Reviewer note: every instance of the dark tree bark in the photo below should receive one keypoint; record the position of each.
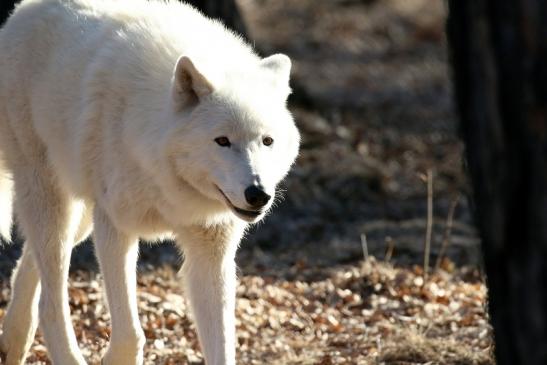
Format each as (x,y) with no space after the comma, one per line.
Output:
(499,58)
(6,6)
(226,10)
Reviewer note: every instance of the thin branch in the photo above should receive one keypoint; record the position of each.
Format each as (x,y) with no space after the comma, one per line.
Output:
(447,231)
(429,227)
(390,248)
(364,246)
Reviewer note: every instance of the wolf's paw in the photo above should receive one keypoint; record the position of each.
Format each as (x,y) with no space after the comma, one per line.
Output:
(105,361)
(3,349)
(7,357)
(3,345)
(122,358)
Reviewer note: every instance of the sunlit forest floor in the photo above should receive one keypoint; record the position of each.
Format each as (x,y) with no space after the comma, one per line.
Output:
(373,102)
(364,313)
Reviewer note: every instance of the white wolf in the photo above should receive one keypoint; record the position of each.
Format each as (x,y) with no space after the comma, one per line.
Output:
(134,119)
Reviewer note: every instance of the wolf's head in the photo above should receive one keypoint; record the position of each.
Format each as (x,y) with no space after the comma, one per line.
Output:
(235,139)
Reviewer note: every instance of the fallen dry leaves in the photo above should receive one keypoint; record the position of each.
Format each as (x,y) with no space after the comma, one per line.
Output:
(365,313)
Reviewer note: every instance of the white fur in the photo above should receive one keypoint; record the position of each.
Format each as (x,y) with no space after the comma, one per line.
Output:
(6,187)
(108,114)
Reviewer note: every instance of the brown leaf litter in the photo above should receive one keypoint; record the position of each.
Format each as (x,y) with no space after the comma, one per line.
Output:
(364,313)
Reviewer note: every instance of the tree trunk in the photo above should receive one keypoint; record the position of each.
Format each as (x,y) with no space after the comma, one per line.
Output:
(499,59)
(6,6)
(226,10)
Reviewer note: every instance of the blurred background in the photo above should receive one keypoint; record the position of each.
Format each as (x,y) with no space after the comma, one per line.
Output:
(373,101)
(372,98)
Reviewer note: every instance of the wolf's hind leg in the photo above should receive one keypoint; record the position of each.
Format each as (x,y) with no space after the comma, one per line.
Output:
(50,220)
(21,317)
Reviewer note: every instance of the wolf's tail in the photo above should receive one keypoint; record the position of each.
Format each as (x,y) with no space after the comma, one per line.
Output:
(6,200)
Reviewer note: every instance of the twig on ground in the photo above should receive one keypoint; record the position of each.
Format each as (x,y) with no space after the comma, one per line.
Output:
(429,227)
(364,246)
(447,231)
(390,248)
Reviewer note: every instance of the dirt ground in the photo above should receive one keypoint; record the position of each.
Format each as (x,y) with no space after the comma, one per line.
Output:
(372,99)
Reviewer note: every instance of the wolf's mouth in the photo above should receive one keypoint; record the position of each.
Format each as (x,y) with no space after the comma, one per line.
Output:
(245,213)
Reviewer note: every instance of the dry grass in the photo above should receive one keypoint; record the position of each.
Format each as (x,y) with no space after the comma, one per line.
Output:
(367,313)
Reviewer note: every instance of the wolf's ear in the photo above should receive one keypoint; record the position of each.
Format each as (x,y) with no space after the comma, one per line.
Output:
(189,85)
(280,65)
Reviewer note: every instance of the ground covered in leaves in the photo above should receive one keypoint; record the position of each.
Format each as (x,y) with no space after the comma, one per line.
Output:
(364,313)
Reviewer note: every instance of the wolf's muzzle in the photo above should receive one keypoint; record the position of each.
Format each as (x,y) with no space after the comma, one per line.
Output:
(247,214)
(256,196)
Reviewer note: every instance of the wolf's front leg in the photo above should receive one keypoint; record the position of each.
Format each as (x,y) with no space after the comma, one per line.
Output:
(209,272)
(117,254)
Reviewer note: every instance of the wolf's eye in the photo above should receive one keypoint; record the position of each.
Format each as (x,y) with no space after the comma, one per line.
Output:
(267,141)
(223,141)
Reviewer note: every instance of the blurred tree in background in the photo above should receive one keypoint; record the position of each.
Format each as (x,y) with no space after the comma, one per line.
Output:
(6,6)
(222,9)
(499,55)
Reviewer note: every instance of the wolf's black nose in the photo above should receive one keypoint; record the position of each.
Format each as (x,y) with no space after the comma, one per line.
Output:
(256,196)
